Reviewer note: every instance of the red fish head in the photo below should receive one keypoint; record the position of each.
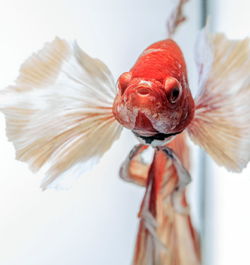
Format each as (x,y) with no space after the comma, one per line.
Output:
(151,108)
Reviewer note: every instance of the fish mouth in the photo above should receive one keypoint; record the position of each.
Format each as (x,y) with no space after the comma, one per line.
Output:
(156,137)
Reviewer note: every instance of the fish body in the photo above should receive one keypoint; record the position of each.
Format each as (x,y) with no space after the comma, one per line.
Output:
(147,105)
(154,96)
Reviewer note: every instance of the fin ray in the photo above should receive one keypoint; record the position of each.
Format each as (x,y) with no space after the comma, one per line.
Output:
(222,119)
(59,112)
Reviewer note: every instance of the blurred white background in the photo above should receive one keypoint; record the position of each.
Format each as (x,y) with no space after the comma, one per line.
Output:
(95,222)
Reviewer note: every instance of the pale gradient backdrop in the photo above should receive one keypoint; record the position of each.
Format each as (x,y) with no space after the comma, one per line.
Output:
(95,222)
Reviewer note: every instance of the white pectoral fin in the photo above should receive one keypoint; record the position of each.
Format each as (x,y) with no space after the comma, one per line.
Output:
(59,112)
(222,120)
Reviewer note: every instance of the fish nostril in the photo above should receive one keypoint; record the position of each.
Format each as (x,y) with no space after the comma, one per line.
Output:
(143,91)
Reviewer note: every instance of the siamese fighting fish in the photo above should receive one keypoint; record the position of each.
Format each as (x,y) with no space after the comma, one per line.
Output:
(65,110)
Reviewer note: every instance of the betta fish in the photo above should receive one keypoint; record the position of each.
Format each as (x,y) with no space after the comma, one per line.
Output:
(65,111)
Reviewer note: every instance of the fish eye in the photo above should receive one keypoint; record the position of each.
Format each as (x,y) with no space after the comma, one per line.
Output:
(173,90)
(174,95)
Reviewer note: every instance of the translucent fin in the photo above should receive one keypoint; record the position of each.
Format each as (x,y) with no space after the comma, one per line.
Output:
(222,119)
(181,149)
(135,167)
(176,17)
(165,235)
(59,112)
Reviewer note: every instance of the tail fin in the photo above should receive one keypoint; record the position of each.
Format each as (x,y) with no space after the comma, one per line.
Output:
(59,112)
(222,119)
(166,235)
(135,168)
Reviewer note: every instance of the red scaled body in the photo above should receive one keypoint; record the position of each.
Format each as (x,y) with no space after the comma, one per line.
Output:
(154,97)
(160,60)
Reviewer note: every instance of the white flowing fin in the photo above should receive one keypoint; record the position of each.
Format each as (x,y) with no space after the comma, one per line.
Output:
(222,119)
(166,235)
(59,112)
(176,17)
(136,165)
